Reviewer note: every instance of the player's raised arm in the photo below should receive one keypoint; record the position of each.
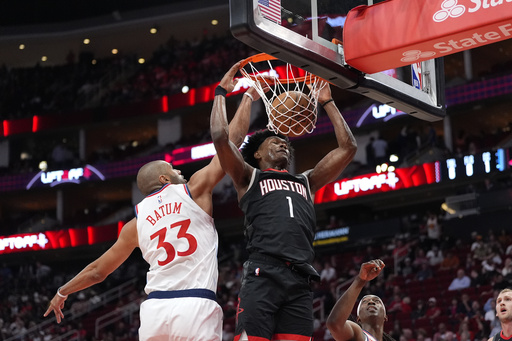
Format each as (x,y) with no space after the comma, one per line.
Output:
(98,270)
(204,180)
(230,157)
(341,328)
(331,166)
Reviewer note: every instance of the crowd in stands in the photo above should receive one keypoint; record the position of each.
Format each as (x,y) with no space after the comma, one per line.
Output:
(80,84)
(25,92)
(435,289)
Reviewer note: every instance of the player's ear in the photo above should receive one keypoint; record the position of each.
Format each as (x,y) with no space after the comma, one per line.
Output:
(164,179)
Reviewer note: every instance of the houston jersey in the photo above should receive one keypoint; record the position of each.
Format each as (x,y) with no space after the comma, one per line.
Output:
(178,240)
(279,215)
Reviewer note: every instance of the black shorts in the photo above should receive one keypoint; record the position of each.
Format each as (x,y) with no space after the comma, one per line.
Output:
(275,301)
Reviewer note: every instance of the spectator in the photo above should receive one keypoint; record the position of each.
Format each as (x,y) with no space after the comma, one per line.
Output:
(465,305)
(425,272)
(507,268)
(479,249)
(499,282)
(490,317)
(478,279)
(380,150)
(462,281)
(328,273)
(450,262)
(441,333)
(42,271)
(421,335)
(491,302)
(407,335)
(419,310)
(420,258)
(464,333)
(395,304)
(401,305)
(454,309)
(433,227)
(435,256)
(396,332)
(476,240)
(433,310)
(407,268)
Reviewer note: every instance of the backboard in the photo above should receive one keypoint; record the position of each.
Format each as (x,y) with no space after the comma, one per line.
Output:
(309,35)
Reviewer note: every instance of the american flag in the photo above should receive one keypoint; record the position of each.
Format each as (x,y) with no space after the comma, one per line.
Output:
(271,10)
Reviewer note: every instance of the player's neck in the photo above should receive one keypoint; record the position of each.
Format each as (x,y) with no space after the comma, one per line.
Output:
(376,331)
(506,330)
(276,166)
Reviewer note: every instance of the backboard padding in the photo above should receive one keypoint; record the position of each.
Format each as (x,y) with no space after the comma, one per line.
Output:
(323,58)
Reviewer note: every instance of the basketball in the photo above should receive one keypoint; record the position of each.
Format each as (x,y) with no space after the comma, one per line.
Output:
(292,114)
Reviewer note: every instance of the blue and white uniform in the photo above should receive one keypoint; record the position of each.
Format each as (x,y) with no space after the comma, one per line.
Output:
(180,243)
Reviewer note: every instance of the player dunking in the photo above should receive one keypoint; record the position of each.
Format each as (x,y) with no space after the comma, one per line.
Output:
(371,313)
(275,300)
(504,314)
(175,232)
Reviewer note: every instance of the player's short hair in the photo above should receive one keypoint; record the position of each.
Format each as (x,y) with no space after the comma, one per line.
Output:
(254,142)
(505,290)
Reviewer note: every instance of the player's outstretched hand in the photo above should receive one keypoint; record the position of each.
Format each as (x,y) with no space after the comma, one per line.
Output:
(227,82)
(371,269)
(56,305)
(254,92)
(325,94)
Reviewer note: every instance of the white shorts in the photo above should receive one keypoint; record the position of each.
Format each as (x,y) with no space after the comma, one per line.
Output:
(180,319)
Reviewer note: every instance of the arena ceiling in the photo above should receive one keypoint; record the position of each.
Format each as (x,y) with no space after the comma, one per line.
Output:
(53,28)
(35,12)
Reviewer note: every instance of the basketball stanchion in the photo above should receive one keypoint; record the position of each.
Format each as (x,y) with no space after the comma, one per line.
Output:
(292,101)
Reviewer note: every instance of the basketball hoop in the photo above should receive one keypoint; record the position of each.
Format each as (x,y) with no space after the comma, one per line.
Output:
(289,115)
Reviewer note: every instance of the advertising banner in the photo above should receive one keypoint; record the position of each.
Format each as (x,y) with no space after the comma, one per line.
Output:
(397,33)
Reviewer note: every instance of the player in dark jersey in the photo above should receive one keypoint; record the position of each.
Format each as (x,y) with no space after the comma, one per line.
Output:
(371,312)
(275,300)
(504,314)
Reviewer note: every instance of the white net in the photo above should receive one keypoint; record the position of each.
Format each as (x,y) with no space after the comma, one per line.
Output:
(291,103)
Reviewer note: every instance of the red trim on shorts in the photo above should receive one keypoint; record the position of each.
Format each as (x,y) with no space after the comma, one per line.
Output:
(293,337)
(251,338)
(290,337)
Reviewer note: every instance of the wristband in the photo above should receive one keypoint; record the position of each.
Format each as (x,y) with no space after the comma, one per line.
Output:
(219,90)
(60,295)
(249,95)
(327,102)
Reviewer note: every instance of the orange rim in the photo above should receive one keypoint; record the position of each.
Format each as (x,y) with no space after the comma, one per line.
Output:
(262,57)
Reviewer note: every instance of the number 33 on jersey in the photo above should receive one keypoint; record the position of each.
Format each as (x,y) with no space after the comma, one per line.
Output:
(177,238)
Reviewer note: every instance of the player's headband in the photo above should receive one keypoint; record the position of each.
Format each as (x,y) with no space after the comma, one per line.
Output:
(360,302)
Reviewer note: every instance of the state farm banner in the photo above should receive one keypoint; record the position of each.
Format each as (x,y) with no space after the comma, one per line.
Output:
(401,178)
(397,33)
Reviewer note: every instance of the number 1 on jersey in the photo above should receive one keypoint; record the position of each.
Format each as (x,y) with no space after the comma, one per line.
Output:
(290,205)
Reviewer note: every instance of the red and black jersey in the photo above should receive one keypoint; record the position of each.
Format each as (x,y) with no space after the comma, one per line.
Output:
(280,217)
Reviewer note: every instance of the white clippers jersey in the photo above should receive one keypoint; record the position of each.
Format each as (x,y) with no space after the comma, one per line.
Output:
(368,336)
(178,240)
